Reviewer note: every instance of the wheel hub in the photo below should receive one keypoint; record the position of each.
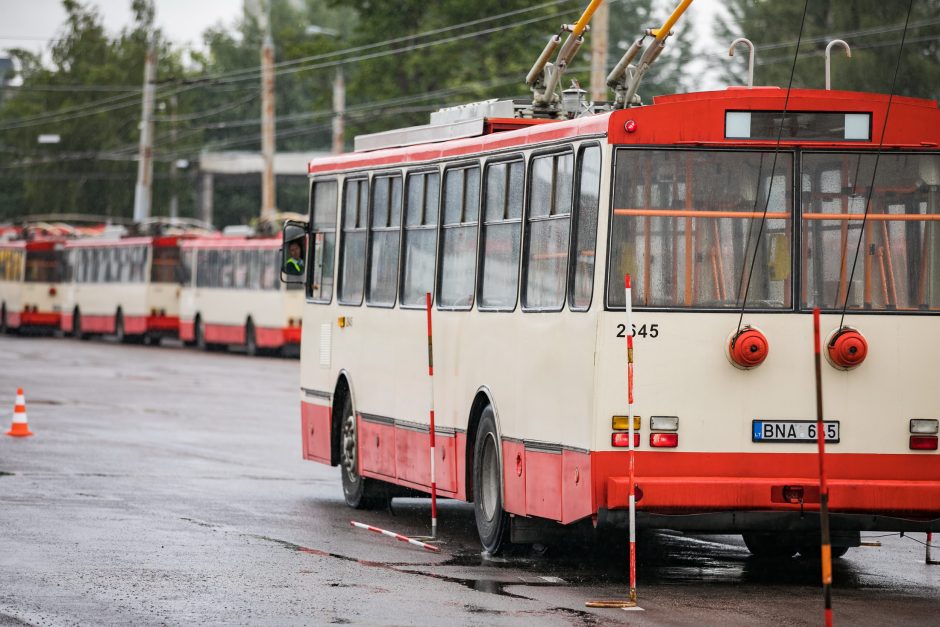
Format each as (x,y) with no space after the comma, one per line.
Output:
(349,448)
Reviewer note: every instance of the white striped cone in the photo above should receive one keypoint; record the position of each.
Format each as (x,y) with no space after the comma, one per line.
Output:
(20,426)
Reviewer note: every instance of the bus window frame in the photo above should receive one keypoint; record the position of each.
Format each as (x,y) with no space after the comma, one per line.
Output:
(420,171)
(575,215)
(310,275)
(490,161)
(463,164)
(793,151)
(389,174)
(341,247)
(557,150)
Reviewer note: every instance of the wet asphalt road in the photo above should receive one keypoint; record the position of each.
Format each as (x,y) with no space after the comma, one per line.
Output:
(165,486)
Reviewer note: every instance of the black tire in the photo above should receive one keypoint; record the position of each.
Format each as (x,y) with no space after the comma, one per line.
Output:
(492,520)
(119,333)
(771,545)
(77,326)
(3,318)
(200,333)
(360,492)
(251,342)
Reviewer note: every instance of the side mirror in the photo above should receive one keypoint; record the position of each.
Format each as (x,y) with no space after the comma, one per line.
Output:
(293,252)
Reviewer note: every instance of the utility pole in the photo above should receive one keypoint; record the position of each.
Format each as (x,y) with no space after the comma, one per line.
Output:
(143,191)
(339,111)
(268,193)
(174,200)
(599,41)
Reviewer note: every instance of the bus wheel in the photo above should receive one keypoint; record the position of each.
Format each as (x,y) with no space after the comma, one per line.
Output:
(119,333)
(251,343)
(359,492)
(3,318)
(771,545)
(77,326)
(200,333)
(492,520)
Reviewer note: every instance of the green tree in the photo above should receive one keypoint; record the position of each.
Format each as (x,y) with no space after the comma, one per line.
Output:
(872,28)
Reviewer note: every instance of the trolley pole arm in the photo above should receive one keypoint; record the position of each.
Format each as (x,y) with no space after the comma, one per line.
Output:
(549,74)
(653,52)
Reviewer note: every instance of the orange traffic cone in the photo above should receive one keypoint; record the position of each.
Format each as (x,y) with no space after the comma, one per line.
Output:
(20,427)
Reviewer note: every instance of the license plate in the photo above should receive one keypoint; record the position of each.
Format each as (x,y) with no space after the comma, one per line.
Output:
(792,431)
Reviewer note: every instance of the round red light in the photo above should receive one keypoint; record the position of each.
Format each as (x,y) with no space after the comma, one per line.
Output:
(630,126)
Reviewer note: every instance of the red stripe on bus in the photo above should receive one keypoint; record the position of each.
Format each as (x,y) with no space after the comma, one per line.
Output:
(316,424)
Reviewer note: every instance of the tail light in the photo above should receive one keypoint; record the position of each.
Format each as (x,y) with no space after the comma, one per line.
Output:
(664,440)
(923,443)
(623,439)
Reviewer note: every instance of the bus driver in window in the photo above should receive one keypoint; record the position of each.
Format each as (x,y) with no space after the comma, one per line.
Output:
(294,265)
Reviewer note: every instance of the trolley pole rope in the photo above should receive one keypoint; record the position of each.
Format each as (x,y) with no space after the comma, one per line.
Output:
(823,486)
(431,428)
(629,309)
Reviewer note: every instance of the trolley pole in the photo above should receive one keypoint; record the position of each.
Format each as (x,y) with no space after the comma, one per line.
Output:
(431,426)
(339,112)
(823,486)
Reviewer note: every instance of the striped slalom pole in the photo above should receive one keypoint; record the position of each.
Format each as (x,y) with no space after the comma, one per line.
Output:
(397,536)
(431,428)
(631,603)
(823,486)
(628,293)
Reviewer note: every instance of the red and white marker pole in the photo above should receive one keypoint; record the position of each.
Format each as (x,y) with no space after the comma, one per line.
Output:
(823,485)
(629,309)
(397,536)
(431,428)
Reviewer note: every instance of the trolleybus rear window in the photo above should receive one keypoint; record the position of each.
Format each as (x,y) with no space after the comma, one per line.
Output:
(898,264)
(684,225)
(165,267)
(44,266)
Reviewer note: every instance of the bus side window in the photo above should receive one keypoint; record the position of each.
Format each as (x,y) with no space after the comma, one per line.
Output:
(420,237)
(384,241)
(323,241)
(547,229)
(353,242)
(459,237)
(500,236)
(585,229)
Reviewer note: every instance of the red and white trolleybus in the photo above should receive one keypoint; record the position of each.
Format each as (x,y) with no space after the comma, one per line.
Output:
(125,286)
(524,229)
(30,272)
(231,296)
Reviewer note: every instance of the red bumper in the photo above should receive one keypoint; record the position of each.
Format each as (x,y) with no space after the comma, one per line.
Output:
(40,319)
(897,485)
(163,324)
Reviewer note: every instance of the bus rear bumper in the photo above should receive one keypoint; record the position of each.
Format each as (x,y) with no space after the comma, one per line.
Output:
(163,325)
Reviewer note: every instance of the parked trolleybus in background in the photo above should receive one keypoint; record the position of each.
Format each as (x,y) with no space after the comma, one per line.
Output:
(30,272)
(232,296)
(124,286)
(523,229)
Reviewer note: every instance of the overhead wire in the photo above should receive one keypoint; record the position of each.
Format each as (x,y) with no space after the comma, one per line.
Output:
(773,172)
(874,172)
